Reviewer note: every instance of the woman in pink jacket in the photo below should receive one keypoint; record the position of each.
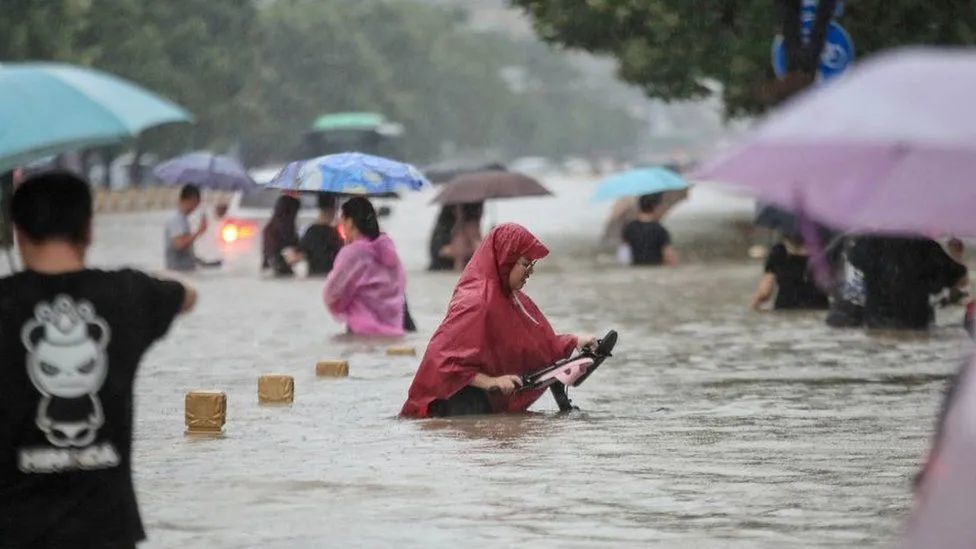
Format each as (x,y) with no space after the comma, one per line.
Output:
(366,286)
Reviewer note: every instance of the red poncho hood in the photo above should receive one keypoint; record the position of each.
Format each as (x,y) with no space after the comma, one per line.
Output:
(489,329)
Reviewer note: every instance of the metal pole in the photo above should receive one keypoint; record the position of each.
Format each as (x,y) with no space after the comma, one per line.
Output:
(10,260)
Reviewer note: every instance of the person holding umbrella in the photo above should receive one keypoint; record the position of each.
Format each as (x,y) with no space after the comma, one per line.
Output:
(368,257)
(648,241)
(440,240)
(645,240)
(467,233)
(456,235)
(196,171)
(367,285)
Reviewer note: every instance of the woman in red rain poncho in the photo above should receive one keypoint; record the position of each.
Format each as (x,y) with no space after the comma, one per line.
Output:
(493,333)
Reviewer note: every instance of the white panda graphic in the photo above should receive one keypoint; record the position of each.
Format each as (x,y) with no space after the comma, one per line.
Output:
(67,364)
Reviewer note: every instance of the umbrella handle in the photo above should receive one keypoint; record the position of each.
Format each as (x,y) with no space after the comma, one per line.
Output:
(818,254)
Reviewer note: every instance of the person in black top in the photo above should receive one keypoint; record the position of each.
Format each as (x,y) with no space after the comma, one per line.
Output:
(440,240)
(899,276)
(467,234)
(788,276)
(321,241)
(649,242)
(71,339)
(280,237)
(456,236)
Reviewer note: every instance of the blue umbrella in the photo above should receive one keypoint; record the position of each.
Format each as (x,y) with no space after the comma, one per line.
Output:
(349,173)
(205,170)
(639,182)
(50,108)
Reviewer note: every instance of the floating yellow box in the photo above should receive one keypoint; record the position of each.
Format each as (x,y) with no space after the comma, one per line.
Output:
(401,351)
(276,389)
(332,368)
(206,411)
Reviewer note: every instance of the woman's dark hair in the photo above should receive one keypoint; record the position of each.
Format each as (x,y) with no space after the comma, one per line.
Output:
(794,237)
(285,213)
(648,202)
(472,211)
(280,233)
(53,206)
(445,220)
(363,216)
(286,209)
(326,201)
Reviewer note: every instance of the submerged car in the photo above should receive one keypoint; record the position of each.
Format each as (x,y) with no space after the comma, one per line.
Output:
(239,234)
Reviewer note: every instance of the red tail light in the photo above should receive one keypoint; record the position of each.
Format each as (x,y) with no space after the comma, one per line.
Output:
(232,231)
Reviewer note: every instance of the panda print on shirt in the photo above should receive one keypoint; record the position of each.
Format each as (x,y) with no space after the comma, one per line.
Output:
(67,364)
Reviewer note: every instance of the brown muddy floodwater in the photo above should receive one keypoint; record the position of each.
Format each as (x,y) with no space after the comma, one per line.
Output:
(711,427)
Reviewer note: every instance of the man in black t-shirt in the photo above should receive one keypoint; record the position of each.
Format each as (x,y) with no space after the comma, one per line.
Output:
(648,240)
(71,339)
(321,242)
(899,276)
(787,274)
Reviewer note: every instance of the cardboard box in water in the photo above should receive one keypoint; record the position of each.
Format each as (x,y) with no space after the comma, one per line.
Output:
(276,389)
(332,368)
(206,411)
(401,351)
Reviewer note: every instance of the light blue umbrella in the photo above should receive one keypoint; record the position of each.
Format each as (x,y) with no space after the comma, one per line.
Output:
(639,182)
(206,170)
(349,173)
(50,108)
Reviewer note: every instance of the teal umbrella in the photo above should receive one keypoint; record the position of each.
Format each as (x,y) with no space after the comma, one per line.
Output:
(638,182)
(50,108)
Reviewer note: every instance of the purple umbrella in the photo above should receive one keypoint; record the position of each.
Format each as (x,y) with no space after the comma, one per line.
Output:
(890,147)
(207,170)
(945,510)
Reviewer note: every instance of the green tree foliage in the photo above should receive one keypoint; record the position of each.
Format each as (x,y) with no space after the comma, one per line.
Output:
(674,49)
(259,72)
(192,51)
(425,68)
